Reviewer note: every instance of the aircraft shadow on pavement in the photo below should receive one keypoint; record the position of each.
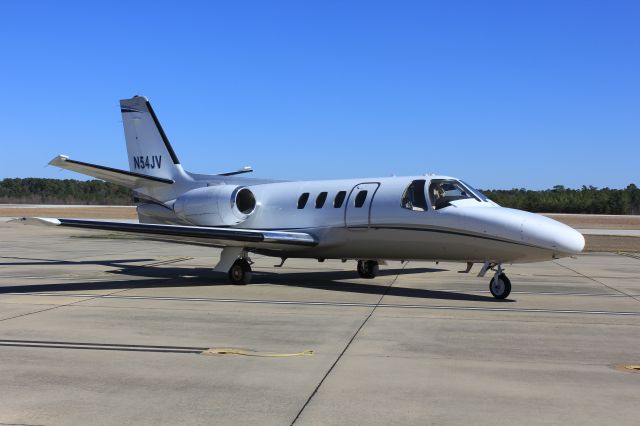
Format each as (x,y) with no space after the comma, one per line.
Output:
(331,280)
(163,277)
(28,261)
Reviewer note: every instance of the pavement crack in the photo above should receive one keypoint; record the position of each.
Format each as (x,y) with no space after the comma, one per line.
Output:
(97,296)
(315,391)
(599,282)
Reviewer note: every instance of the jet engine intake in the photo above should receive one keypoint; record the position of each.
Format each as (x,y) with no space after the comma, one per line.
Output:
(221,205)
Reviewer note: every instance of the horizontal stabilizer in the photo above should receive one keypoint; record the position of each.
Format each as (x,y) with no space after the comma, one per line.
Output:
(222,237)
(121,177)
(246,169)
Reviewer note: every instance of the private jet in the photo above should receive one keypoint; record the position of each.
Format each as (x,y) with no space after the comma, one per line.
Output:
(370,221)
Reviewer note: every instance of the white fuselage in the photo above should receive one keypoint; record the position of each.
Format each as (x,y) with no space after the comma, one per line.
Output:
(378,226)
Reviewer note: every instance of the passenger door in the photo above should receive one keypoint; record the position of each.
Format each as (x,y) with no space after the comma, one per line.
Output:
(357,214)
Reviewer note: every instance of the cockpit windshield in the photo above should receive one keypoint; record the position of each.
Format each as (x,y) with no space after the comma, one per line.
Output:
(475,191)
(443,191)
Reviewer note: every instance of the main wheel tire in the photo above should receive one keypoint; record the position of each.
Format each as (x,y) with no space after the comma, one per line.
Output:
(500,286)
(368,268)
(240,272)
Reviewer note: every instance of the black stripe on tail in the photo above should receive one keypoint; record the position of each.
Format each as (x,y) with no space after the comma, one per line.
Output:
(172,153)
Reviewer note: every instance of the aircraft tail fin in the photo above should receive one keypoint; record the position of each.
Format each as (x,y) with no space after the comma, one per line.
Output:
(148,147)
(154,169)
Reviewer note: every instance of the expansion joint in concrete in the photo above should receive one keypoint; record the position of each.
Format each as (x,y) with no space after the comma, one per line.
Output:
(598,281)
(404,265)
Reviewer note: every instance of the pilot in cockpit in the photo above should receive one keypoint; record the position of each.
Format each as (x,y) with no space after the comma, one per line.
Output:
(438,195)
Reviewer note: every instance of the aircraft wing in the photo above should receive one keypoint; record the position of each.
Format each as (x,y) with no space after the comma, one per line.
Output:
(121,177)
(199,235)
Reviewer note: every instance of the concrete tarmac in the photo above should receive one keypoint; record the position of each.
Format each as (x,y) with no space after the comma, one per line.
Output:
(110,330)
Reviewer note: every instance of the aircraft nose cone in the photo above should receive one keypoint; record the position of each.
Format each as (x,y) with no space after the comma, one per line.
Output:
(556,236)
(570,241)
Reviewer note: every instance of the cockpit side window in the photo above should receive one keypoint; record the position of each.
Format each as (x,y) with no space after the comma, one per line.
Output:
(443,191)
(413,197)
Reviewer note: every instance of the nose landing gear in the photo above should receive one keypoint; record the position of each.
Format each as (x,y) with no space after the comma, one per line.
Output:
(500,285)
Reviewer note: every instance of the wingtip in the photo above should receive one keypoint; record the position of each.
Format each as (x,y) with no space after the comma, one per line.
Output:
(58,160)
(44,221)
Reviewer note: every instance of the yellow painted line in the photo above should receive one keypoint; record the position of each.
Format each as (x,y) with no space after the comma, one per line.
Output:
(246,352)
(628,368)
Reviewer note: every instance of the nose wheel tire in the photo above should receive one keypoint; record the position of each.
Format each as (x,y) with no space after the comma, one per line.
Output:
(240,272)
(500,286)
(368,268)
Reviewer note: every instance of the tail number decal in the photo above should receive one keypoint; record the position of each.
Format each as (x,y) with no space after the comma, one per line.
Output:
(147,162)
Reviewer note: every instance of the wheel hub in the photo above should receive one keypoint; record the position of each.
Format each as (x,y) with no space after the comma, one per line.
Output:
(237,272)
(498,286)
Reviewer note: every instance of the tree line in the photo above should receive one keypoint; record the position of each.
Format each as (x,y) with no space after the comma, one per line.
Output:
(63,191)
(588,199)
(558,199)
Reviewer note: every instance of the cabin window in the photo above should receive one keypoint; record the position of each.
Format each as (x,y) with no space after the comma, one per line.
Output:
(320,199)
(413,197)
(442,192)
(340,196)
(360,198)
(302,201)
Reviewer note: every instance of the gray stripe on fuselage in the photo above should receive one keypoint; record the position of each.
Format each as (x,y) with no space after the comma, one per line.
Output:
(417,228)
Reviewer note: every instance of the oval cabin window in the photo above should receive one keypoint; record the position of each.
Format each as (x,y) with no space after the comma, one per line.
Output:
(302,201)
(360,198)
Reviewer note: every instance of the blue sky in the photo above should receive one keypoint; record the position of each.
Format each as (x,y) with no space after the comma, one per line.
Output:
(502,94)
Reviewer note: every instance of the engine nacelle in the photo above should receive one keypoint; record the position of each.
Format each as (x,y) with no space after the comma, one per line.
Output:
(221,205)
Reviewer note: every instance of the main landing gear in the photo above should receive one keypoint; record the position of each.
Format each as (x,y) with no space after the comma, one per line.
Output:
(236,263)
(240,272)
(368,268)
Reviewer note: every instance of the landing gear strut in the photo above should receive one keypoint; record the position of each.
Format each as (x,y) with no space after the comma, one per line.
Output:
(368,268)
(500,285)
(240,272)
